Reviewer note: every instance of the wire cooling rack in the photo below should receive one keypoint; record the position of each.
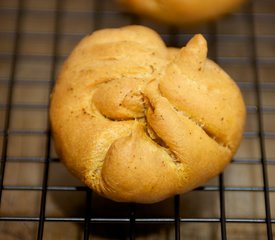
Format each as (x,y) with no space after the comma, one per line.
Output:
(41,200)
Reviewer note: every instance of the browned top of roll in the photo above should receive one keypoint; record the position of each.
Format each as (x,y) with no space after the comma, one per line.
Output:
(137,121)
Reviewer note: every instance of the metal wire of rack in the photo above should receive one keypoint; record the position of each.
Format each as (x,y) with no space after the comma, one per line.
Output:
(40,200)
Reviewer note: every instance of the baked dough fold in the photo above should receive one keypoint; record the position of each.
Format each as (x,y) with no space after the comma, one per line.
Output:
(139,122)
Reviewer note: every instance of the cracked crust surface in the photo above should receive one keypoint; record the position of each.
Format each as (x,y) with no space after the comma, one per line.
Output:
(181,12)
(137,121)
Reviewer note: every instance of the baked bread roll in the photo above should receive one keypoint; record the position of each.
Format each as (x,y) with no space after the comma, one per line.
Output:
(139,122)
(181,12)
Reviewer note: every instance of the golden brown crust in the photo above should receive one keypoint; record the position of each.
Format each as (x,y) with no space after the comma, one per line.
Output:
(137,121)
(182,12)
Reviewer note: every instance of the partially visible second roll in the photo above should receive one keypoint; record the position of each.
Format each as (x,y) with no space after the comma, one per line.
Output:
(182,12)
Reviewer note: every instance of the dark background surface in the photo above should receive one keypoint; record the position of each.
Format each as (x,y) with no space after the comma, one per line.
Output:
(40,199)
